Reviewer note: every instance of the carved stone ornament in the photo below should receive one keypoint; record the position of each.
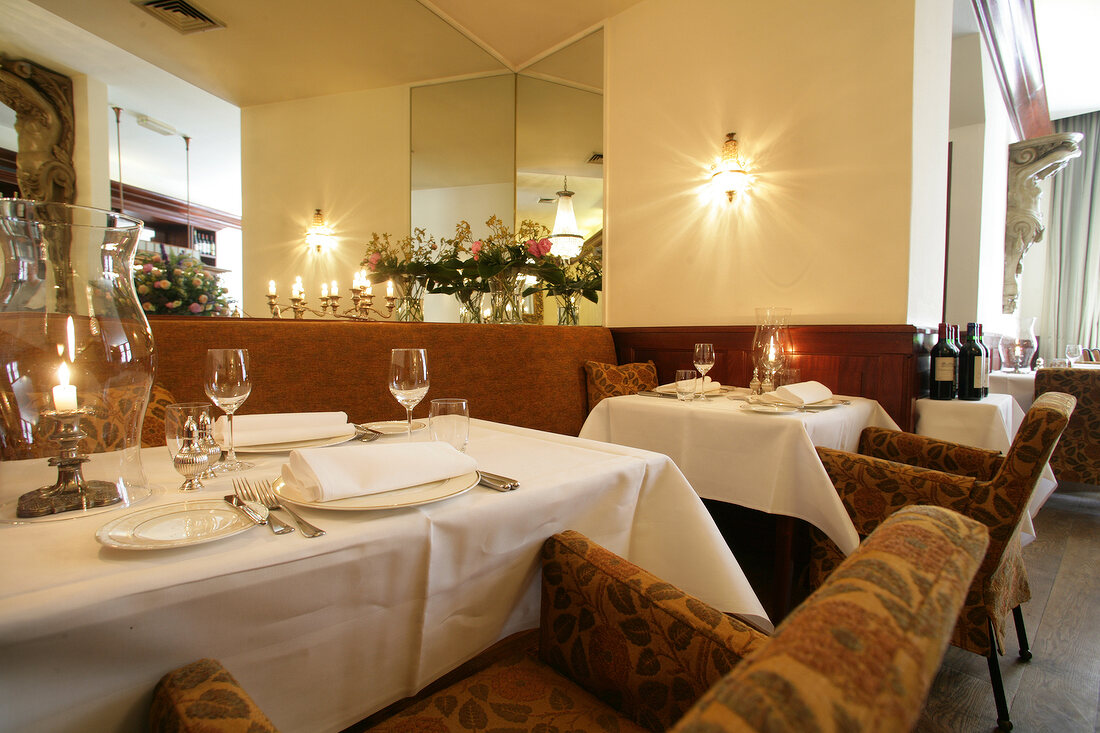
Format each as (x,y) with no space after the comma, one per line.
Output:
(43,104)
(1029,163)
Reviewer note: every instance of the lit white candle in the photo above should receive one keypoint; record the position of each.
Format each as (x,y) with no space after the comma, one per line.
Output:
(335,290)
(370,288)
(324,290)
(271,287)
(389,288)
(64,394)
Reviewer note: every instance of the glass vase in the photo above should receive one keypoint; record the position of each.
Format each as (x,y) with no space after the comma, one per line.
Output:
(504,298)
(771,342)
(78,358)
(1017,349)
(469,306)
(409,305)
(569,313)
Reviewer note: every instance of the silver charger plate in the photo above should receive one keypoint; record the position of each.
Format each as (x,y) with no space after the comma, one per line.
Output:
(177,525)
(395,499)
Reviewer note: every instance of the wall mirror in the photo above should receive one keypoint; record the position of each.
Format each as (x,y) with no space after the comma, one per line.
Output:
(504,145)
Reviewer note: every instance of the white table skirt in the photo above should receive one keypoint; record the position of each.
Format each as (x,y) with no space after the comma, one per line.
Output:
(989,423)
(763,462)
(325,631)
(1021,386)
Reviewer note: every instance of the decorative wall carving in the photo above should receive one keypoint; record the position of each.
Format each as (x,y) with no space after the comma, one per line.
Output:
(43,104)
(1029,163)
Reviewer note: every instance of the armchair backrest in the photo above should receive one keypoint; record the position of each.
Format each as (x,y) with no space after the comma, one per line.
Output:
(1077,457)
(1003,505)
(861,652)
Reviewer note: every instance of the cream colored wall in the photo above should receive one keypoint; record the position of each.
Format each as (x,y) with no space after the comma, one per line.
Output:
(821,96)
(346,154)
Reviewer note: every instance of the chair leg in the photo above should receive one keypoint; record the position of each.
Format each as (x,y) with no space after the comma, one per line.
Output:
(1003,722)
(1021,634)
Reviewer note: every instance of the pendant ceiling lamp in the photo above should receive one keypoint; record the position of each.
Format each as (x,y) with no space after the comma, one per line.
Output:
(566,237)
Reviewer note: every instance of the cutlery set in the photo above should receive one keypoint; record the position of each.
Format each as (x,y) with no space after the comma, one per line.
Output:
(262,493)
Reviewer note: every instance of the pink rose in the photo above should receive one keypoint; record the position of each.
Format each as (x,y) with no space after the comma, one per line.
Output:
(373,260)
(146,267)
(476,249)
(539,248)
(195,308)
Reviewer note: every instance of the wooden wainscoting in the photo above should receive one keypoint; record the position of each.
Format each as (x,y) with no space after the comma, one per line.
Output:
(885,363)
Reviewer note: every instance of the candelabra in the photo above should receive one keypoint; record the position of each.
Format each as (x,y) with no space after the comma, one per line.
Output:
(71,491)
(362,305)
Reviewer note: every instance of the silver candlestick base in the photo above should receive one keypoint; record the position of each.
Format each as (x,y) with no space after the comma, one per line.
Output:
(71,491)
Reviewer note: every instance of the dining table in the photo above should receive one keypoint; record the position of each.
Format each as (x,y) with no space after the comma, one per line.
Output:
(1021,385)
(325,631)
(990,423)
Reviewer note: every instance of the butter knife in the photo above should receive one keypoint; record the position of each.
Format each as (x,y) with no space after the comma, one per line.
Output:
(496,481)
(233,501)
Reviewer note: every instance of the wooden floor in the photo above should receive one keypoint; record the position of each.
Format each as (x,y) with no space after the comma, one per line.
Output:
(1059,689)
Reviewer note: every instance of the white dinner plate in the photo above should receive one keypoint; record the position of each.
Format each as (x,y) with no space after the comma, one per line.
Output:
(396,499)
(296,444)
(827,404)
(394,427)
(767,409)
(177,525)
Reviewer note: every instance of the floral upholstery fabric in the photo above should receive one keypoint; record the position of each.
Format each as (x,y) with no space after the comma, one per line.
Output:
(611,380)
(940,455)
(861,652)
(873,488)
(152,429)
(858,655)
(640,644)
(203,697)
(1077,456)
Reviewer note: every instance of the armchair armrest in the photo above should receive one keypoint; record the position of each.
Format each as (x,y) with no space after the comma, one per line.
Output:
(202,697)
(638,643)
(939,455)
(872,488)
(861,652)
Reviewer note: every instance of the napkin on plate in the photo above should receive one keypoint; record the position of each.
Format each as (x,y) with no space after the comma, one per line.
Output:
(325,474)
(798,394)
(282,427)
(709,385)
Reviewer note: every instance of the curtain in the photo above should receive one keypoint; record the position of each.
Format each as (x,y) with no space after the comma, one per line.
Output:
(1071,296)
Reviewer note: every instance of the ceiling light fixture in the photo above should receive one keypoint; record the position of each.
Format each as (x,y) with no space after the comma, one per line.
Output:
(729,174)
(161,128)
(566,238)
(319,236)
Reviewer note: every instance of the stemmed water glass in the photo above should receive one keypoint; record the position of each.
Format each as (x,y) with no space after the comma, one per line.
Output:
(703,360)
(1073,353)
(408,379)
(228,383)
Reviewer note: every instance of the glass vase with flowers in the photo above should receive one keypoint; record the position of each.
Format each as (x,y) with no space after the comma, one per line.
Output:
(567,279)
(500,258)
(406,263)
(177,285)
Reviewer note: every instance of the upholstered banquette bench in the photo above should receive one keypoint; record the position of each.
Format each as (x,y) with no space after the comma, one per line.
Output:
(531,376)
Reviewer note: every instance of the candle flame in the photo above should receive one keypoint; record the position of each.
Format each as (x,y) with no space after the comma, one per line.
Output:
(63,375)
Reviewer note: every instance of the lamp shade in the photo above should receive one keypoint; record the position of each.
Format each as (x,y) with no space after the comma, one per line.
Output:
(566,237)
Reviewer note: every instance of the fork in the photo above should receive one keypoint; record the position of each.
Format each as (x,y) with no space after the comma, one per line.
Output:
(245,492)
(268,499)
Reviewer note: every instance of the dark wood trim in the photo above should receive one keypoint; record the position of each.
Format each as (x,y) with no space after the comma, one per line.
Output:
(9,176)
(1008,28)
(888,363)
(156,207)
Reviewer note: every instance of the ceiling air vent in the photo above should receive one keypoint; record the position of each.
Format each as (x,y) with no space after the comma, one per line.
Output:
(596,159)
(183,16)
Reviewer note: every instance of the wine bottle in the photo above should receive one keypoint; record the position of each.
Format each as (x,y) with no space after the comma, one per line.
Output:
(970,366)
(945,361)
(987,362)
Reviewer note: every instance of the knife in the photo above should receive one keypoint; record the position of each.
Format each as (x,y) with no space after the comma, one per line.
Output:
(650,393)
(233,501)
(496,481)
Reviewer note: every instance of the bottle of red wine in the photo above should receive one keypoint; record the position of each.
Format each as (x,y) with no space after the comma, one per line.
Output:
(987,364)
(971,366)
(945,361)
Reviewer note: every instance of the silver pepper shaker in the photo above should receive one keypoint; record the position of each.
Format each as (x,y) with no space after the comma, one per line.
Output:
(192,459)
(207,442)
(767,385)
(754,383)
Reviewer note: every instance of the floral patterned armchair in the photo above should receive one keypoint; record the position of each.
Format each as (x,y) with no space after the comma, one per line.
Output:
(620,651)
(1077,457)
(894,469)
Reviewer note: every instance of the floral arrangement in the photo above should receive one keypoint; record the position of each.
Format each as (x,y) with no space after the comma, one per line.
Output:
(178,285)
(567,278)
(392,259)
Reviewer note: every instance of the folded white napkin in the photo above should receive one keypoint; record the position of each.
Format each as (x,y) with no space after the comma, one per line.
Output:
(283,427)
(708,385)
(797,394)
(325,474)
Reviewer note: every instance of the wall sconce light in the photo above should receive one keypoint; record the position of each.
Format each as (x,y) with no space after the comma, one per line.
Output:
(566,237)
(319,236)
(729,174)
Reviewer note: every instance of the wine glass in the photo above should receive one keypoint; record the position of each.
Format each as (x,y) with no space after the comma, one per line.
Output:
(228,383)
(1073,353)
(408,379)
(703,360)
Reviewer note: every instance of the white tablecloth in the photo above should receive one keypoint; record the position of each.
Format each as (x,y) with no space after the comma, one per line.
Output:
(325,631)
(989,423)
(763,462)
(1021,386)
